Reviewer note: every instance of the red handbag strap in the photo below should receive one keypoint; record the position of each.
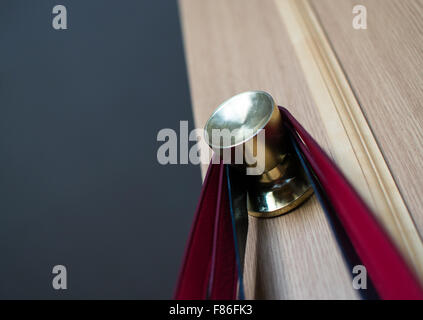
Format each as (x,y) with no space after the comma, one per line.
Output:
(391,276)
(223,278)
(209,265)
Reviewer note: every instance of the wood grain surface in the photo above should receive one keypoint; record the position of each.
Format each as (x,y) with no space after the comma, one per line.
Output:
(384,64)
(233,46)
(354,147)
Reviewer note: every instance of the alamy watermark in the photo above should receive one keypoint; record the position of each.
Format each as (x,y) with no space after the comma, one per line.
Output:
(359,21)
(60,280)
(360,280)
(60,20)
(231,147)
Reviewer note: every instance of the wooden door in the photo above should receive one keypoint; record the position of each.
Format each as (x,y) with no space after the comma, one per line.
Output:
(358,92)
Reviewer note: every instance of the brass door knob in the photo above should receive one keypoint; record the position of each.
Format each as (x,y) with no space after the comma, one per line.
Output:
(249,127)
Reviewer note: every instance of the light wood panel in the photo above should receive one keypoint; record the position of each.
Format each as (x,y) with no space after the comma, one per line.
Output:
(354,146)
(384,65)
(234,46)
(279,47)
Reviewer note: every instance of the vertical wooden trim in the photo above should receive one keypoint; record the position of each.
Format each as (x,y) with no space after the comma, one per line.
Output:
(352,144)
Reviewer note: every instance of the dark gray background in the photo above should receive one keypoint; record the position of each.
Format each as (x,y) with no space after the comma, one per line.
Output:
(79,181)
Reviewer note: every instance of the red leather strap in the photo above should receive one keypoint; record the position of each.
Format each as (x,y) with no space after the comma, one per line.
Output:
(223,279)
(391,276)
(209,266)
(195,271)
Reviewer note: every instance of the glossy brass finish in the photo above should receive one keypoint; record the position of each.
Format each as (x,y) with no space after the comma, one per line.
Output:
(276,193)
(283,185)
